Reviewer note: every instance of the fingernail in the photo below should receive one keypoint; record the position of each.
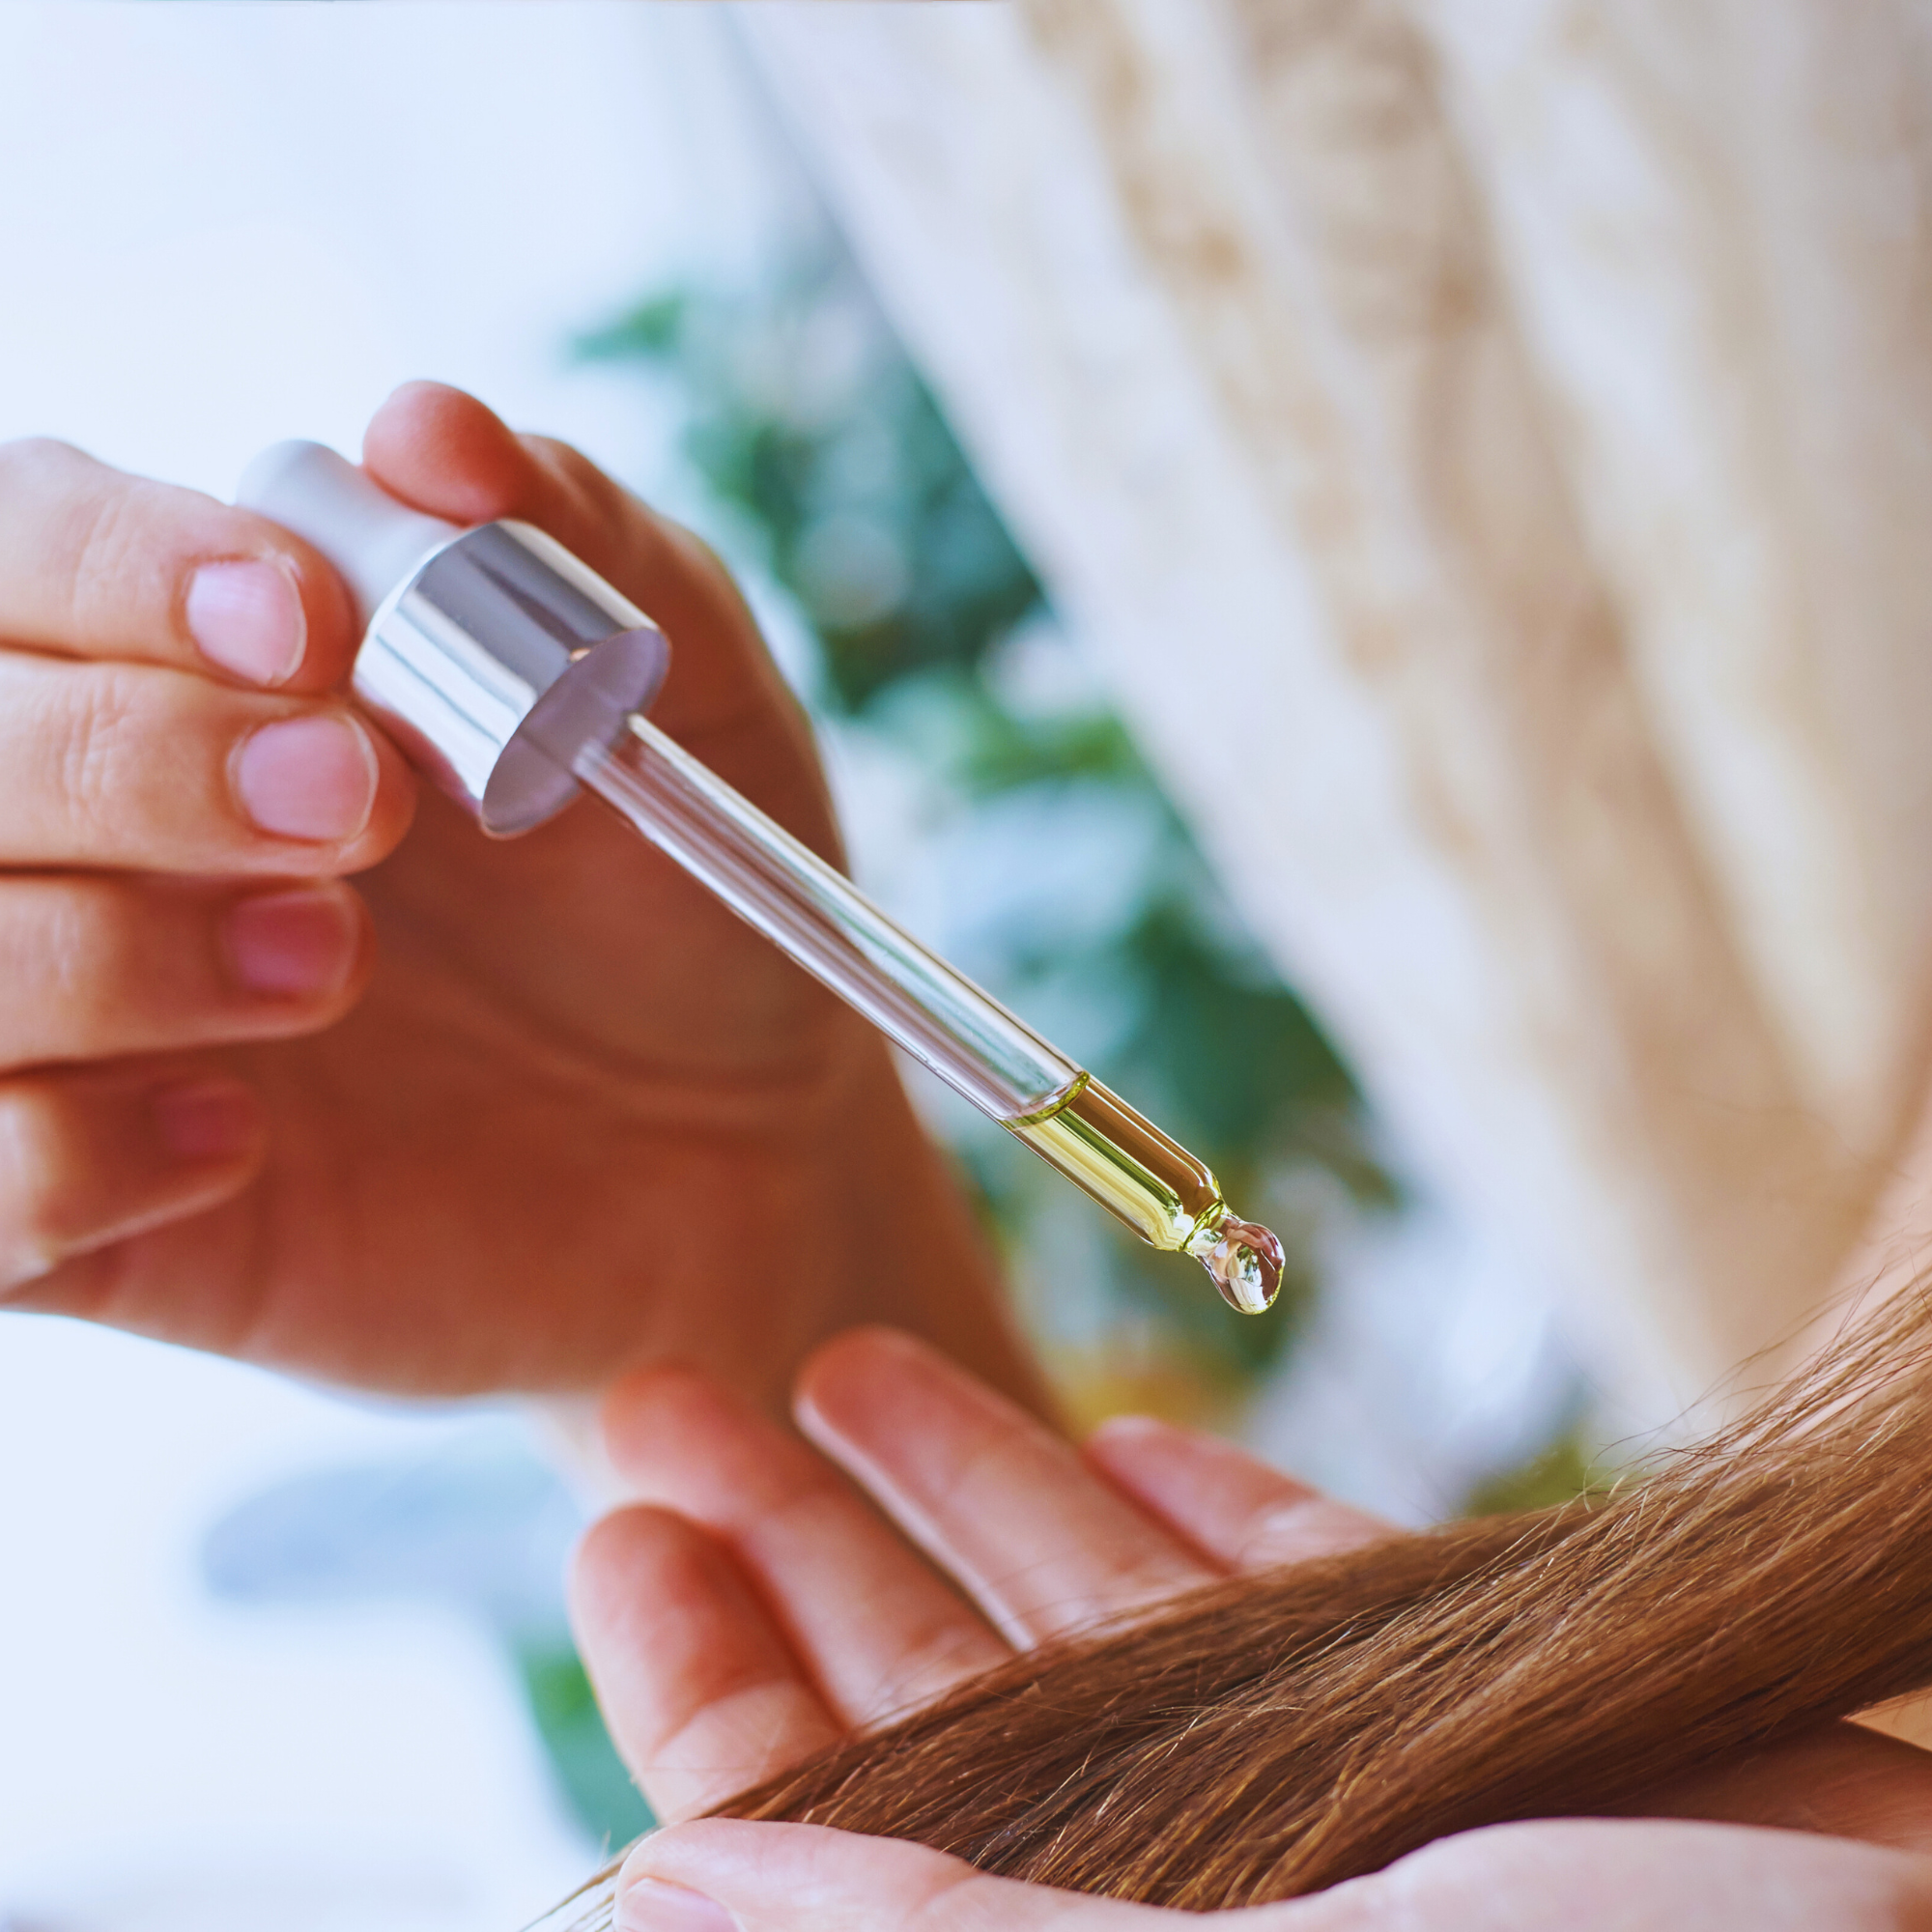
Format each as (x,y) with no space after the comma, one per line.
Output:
(206,1119)
(298,945)
(308,778)
(653,1906)
(247,617)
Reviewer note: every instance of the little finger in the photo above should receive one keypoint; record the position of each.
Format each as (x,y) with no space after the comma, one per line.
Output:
(91,1156)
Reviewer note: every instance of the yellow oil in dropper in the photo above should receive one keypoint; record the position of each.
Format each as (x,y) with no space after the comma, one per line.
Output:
(1154,1185)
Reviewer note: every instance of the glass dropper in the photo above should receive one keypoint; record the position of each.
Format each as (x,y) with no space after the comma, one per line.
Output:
(512,673)
(817,916)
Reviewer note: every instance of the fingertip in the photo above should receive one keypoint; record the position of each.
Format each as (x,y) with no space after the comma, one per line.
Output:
(398,793)
(1235,1509)
(248,616)
(846,1368)
(874,1392)
(615,1552)
(656,1905)
(780,1873)
(333,633)
(677,1857)
(440,450)
(675,1434)
(636,1891)
(318,791)
(721,1849)
(309,950)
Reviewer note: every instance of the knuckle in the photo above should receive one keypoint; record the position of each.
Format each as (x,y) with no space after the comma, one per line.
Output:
(64,949)
(99,731)
(107,546)
(935,1653)
(93,964)
(595,496)
(571,465)
(90,967)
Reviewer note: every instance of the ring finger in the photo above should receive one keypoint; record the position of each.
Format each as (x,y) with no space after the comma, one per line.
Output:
(107,965)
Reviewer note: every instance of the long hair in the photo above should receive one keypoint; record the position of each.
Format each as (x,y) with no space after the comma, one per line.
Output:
(1279,1732)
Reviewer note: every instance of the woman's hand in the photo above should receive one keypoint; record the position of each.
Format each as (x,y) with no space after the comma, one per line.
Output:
(753,1606)
(507,1115)
(756,1606)
(1582,1875)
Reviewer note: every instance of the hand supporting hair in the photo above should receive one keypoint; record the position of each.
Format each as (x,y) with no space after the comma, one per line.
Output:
(1680,1647)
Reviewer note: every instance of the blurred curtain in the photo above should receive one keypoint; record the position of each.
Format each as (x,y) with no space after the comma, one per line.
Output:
(1488,444)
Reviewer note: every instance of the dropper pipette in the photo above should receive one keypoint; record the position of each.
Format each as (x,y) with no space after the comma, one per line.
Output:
(822,919)
(513,674)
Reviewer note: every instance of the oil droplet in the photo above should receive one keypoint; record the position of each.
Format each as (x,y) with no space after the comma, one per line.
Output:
(1245,1261)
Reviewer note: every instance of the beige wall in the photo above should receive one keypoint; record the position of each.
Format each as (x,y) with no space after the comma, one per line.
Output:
(1488,446)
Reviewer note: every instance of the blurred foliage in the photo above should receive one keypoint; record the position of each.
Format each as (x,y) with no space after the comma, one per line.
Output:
(834,455)
(831,474)
(1565,1470)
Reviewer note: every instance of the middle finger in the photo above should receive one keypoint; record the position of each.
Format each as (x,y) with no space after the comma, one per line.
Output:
(139,767)
(1006,1506)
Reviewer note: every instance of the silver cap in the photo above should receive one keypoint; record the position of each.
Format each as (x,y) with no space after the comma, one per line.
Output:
(493,655)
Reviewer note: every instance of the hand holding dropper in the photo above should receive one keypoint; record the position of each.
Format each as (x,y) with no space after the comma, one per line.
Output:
(514,675)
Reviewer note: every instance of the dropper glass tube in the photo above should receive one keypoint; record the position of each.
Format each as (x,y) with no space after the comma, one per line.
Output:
(816,915)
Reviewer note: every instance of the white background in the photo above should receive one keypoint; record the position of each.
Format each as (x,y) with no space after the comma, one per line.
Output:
(221,226)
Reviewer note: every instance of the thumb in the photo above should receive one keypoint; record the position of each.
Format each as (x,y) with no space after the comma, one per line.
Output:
(724,1875)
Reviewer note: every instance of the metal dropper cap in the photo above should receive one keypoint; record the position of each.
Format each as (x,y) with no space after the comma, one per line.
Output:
(492,655)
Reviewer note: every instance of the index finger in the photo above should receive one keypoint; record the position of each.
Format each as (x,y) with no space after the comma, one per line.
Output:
(94,563)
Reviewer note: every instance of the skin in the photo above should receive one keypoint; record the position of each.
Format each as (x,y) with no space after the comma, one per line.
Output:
(512,1115)
(759,1599)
